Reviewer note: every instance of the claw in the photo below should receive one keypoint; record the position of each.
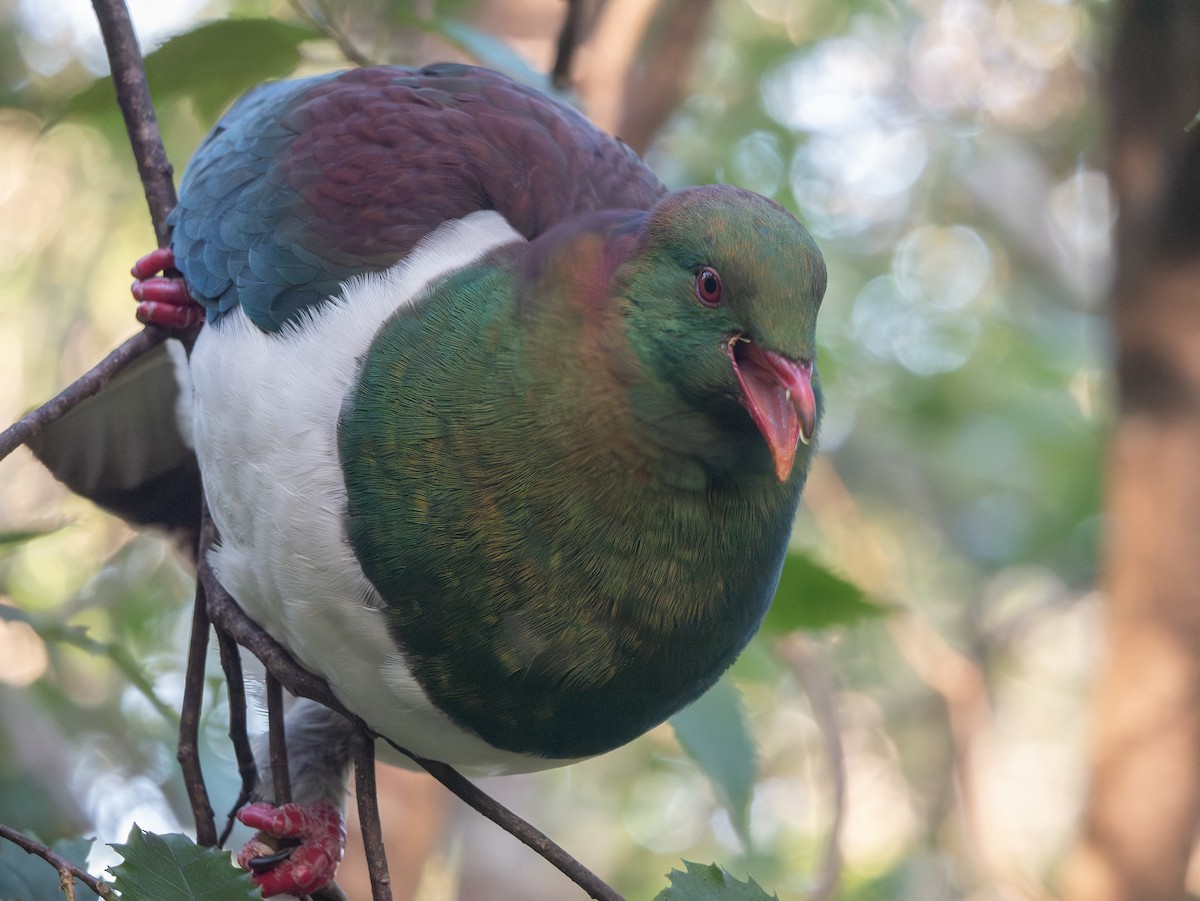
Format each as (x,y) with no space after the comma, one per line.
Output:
(296,869)
(269,861)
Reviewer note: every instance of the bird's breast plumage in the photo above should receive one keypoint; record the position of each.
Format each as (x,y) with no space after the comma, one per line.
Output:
(552,591)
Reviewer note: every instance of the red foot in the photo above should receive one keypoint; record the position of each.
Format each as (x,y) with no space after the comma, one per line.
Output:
(314,837)
(163,300)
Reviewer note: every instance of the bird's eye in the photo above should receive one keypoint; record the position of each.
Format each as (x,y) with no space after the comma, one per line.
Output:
(708,286)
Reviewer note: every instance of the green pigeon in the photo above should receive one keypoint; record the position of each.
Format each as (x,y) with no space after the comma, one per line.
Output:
(503,439)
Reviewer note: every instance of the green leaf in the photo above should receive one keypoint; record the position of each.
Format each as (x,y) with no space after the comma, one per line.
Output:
(213,65)
(710,883)
(25,877)
(812,597)
(21,536)
(714,733)
(174,868)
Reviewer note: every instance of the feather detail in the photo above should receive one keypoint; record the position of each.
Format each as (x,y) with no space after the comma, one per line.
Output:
(277,495)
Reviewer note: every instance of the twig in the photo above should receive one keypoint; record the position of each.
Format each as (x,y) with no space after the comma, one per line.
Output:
(33,422)
(188,753)
(568,41)
(281,779)
(231,663)
(67,871)
(368,815)
(800,655)
(520,829)
(324,22)
(133,95)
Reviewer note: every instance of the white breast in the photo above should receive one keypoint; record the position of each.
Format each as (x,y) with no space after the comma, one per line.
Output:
(265,410)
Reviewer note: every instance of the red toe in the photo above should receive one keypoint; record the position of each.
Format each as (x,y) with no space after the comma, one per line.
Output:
(163,300)
(154,262)
(304,867)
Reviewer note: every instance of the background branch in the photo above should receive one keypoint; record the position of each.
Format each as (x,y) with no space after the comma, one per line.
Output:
(801,655)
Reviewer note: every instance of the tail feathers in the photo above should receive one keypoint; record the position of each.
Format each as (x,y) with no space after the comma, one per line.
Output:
(124,449)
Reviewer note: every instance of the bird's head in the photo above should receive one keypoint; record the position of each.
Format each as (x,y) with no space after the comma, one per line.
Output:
(721,293)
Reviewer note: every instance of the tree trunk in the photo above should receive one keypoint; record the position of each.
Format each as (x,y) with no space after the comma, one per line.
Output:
(1141,817)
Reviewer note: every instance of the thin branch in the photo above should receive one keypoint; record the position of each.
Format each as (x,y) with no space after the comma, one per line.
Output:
(520,829)
(67,871)
(188,753)
(368,815)
(323,20)
(800,655)
(35,421)
(281,780)
(133,95)
(231,663)
(568,42)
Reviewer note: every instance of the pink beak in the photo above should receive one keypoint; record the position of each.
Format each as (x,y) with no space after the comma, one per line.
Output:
(778,393)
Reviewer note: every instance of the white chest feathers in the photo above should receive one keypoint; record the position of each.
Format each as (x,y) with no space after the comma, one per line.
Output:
(264,409)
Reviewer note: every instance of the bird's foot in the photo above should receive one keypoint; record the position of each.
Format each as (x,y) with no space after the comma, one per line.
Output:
(297,849)
(163,299)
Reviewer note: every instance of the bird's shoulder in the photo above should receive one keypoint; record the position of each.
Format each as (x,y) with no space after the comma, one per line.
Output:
(305,183)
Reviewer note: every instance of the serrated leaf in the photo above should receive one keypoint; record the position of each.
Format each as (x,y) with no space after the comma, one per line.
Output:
(710,883)
(174,868)
(212,64)
(714,732)
(25,877)
(810,596)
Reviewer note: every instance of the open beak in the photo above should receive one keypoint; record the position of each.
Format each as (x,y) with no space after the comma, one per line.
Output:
(779,395)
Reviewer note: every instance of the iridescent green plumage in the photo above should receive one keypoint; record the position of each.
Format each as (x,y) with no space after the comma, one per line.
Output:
(554,481)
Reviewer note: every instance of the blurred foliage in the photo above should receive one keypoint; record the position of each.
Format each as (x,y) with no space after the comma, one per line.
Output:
(943,153)
(211,65)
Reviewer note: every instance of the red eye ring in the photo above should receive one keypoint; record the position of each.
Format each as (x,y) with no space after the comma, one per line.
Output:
(708,286)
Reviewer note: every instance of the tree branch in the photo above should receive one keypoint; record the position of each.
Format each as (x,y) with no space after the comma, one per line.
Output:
(133,95)
(231,663)
(281,779)
(67,871)
(800,654)
(91,382)
(368,815)
(520,829)
(568,42)
(188,752)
